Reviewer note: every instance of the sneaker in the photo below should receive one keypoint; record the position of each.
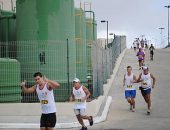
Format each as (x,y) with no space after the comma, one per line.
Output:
(148,112)
(91,121)
(133,110)
(83,128)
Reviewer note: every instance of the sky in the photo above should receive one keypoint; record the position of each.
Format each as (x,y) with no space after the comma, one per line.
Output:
(132,18)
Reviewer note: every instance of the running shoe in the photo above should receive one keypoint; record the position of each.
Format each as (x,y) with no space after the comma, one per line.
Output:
(91,121)
(83,128)
(148,112)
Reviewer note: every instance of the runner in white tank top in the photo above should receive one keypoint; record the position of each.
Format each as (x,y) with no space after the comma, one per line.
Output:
(46,98)
(79,95)
(129,82)
(147,82)
(130,89)
(44,88)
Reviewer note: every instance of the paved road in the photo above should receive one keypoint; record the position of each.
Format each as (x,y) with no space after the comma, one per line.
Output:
(120,117)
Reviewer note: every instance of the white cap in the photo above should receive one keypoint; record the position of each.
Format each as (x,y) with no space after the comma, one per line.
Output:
(76,80)
(145,68)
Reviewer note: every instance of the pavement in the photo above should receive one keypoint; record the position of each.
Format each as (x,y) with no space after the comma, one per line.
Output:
(119,116)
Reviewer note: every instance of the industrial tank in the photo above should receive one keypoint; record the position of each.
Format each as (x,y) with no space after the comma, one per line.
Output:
(91,36)
(7,26)
(42,29)
(10,79)
(80,34)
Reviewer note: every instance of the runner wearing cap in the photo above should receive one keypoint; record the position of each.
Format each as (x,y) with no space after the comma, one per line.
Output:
(80,94)
(130,90)
(147,82)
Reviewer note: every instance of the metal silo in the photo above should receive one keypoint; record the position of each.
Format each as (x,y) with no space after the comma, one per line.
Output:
(81,61)
(10,80)
(42,29)
(7,26)
(91,36)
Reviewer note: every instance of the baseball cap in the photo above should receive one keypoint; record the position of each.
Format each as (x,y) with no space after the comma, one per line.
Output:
(145,68)
(76,80)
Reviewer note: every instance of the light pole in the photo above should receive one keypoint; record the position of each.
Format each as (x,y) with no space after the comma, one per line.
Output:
(168,24)
(161,34)
(104,21)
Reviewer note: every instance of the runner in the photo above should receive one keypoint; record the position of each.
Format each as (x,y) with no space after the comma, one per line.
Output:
(80,94)
(130,90)
(44,88)
(134,45)
(147,82)
(141,57)
(152,48)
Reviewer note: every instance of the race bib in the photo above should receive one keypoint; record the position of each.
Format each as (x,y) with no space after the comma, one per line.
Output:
(77,100)
(129,86)
(44,101)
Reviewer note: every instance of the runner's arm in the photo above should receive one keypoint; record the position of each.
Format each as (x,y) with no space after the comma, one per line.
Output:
(26,89)
(124,81)
(52,84)
(72,98)
(134,79)
(154,80)
(87,92)
(139,78)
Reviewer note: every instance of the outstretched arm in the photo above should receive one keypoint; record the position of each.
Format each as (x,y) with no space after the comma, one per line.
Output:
(26,89)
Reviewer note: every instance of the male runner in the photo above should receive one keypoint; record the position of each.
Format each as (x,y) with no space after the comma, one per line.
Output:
(80,94)
(151,48)
(44,88)
(130,90)
(147,82)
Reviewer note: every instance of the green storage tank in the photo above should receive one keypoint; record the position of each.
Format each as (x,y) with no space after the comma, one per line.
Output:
(10,79)
(91,36)
(7,26)
(81,61)
(44,26)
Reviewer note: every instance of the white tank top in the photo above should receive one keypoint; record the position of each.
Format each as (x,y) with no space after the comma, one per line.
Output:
(79,94)
(129,85)
(147,81)
(46,98)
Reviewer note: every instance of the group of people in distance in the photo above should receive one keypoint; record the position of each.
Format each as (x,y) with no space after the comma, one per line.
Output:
(44,89)
(146,79)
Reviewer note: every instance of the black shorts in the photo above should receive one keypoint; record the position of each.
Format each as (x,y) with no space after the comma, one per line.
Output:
(151,52)
(48,120)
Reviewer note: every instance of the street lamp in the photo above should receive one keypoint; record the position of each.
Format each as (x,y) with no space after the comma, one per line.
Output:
(104,21)
(168,23)
(161,34)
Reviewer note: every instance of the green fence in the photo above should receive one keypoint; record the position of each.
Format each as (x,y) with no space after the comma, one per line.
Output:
(57,61)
